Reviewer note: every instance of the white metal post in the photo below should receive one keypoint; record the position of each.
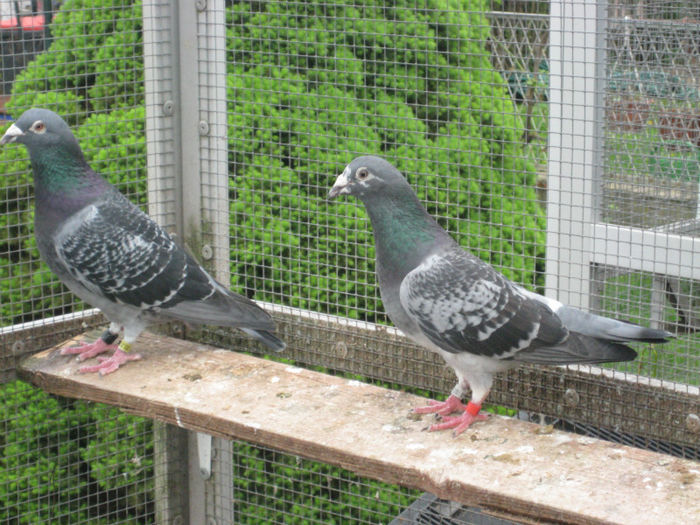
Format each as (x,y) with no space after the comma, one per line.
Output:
(185,74)
(213,131)
(159,33)
(577,59)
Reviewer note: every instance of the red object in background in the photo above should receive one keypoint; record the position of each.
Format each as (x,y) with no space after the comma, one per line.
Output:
(28,22)
(32,23)
(682,126)
(8,23)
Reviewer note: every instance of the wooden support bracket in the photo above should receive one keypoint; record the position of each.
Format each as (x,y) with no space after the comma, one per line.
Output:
(503,464)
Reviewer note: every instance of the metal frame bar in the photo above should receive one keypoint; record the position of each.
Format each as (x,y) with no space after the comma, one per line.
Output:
(577,30)
(576,240)
(187,156)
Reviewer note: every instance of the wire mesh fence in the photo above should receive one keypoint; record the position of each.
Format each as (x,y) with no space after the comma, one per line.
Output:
(228,122)
(649,177)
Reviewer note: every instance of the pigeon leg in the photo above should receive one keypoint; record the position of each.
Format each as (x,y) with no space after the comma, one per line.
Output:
(111,364)
(451,404)
(88,350)
(442,408)
(462,422)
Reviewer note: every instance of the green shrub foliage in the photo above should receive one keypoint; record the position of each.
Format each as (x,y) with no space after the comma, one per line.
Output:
(310,85)
(61,460)
(272,487)
(416,87)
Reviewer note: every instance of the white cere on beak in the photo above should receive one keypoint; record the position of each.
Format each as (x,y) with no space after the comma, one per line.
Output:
(341,184)
(11,134)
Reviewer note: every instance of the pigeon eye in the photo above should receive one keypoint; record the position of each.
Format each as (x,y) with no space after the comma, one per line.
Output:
(362,173)
(38,127)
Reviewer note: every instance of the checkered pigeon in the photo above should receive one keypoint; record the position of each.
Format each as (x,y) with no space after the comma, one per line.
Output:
(458,306)
(115,257)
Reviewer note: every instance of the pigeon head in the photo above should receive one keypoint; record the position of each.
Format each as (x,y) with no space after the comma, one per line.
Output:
(40,129)
(366,176)
(57,160)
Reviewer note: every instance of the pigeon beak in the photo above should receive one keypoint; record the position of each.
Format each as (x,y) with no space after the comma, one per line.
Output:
(341,185)
(11,134)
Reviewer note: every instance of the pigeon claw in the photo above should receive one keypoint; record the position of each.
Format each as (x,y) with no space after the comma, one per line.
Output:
(442,408)
(88,350)
(110,364)
(458,423)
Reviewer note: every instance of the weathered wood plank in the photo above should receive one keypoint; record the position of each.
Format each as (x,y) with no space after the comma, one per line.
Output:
(19,341)
(605,399)
(502,464)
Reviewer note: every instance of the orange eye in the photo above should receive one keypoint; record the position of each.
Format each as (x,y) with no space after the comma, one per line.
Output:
(39,127)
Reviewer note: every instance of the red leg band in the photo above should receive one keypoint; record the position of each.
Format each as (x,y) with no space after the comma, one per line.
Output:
(472,409)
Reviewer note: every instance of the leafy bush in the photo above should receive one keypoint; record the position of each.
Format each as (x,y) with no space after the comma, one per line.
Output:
(58,455)
(40,457)
(120,459)
(272,487)
(84,37)
(417,88)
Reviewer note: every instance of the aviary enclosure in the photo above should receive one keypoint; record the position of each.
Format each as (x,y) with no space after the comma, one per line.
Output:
(559,141)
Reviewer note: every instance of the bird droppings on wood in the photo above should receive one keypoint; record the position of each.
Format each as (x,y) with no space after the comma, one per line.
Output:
(502,464)
(544,429)
(414,416)
(505,457)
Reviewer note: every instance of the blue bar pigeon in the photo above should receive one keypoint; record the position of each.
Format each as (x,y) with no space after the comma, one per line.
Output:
(115,257)
(456,305)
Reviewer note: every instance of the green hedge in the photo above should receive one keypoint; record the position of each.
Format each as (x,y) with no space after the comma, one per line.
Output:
(415,86)
(271,487)
(64,461)
(304,99)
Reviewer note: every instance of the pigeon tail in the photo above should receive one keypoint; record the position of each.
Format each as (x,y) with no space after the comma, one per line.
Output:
(578,349)
(267,338)
(221,309)
(593,325)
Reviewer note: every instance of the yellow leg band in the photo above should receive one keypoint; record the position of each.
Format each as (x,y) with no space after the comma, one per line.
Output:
(124,346)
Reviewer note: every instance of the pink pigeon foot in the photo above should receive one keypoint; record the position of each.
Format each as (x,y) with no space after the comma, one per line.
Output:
(462,422)
(88,350)
(110,364)
(442,408)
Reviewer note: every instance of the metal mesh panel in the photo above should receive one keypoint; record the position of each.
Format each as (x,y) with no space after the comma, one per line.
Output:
(273,487)
(67,461)
(622,210)
(310,88)
(557,141)
(650,172)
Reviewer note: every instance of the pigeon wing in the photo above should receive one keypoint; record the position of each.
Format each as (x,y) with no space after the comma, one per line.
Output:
(115,250)
(463,305)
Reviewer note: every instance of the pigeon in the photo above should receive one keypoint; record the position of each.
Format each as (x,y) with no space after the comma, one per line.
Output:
(456,305)
(115,257)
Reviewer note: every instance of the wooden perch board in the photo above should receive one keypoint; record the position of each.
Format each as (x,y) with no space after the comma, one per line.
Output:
(503,464)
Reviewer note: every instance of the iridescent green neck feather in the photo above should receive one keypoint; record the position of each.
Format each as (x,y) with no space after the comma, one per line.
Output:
(403,230)
(59,170)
